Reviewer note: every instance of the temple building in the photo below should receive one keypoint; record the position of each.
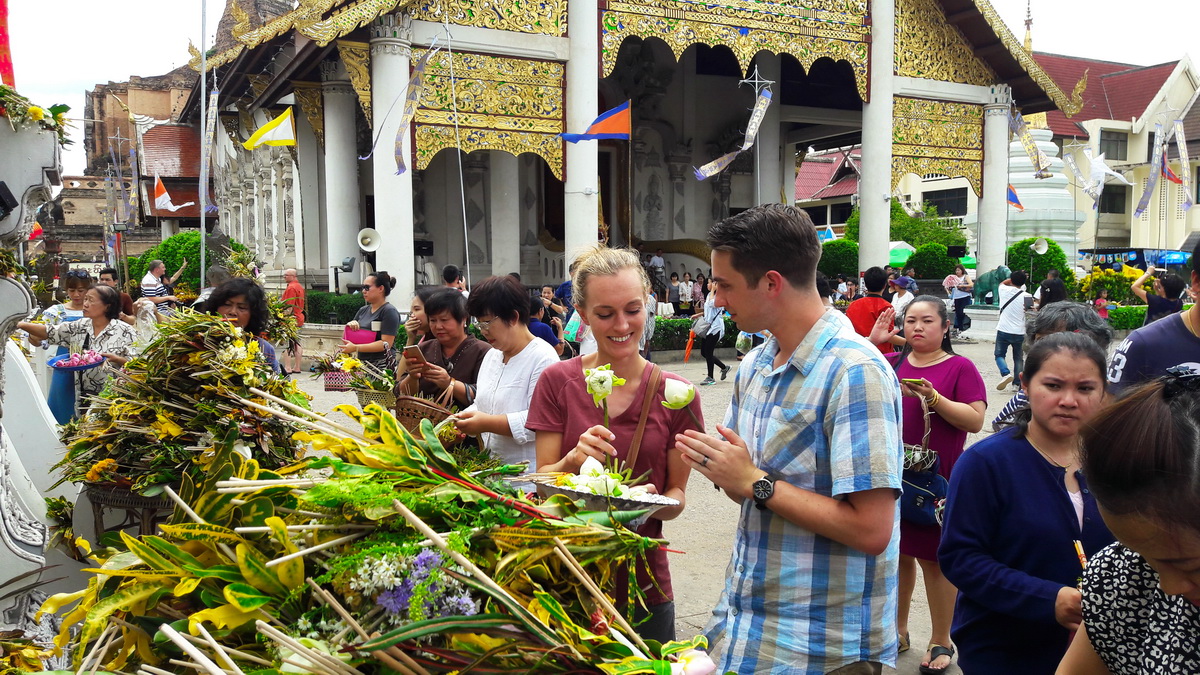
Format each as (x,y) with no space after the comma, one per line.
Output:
(924,86)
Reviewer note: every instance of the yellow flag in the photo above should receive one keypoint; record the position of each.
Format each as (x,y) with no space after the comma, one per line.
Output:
(279,131)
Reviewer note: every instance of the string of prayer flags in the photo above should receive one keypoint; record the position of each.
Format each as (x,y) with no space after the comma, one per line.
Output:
(1156,162)
(756,117)
(1041,163)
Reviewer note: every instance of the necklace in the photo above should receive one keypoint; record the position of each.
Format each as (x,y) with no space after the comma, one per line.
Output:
(1190,321)
(941,355)
(449,363)
(1050,459)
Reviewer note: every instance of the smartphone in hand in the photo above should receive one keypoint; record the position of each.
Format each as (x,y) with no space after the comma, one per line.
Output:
(414,353)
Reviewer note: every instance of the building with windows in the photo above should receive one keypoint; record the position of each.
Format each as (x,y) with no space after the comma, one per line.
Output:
(1122,106)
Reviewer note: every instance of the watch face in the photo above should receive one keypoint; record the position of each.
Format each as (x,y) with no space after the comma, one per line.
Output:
(763,488)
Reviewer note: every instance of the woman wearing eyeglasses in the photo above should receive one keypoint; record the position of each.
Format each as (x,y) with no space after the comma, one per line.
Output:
(509,371)
(452,359)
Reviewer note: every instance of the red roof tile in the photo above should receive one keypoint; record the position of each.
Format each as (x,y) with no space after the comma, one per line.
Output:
(847,185)
(171,150)
(813,176)
(1115,91)
(1130,92)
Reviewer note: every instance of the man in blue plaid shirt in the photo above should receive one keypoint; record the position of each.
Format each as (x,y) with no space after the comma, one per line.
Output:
(812,584)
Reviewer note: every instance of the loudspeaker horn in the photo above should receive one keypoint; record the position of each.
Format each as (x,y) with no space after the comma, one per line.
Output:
(368,239)
(1040,246)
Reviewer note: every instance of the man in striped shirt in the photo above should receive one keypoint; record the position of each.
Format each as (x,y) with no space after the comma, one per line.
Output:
(812,583)
(153,288)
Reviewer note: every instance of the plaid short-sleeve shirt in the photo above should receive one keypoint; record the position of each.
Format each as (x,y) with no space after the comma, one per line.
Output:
(827,421)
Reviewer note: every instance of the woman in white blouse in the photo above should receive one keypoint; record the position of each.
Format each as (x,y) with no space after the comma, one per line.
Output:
(509,371)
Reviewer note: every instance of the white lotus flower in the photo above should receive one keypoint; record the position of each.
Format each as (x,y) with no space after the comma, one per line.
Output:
(678,395)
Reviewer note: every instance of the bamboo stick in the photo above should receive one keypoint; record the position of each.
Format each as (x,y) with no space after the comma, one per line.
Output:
(196,518)
(565,554)
(152,670)
(386,656)
(91,654)
(313,549)
(254,529)
(311,424)
(196,666)
(284,509)
(240,482)
(240,654)
(295,408)
(310,654)
(190,649)
(220,651)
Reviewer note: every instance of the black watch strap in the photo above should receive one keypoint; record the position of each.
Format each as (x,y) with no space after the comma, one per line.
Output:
(764,489)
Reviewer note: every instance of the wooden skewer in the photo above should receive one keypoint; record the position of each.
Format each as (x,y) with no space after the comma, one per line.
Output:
(243,490)
(153,671)
(254,529)
(195,666)
(386,656)
(92,655)
(234,652)
(283,509)
(238,482)
(324,426)
(190,649)
(313,549)
(310,654)
(565,554)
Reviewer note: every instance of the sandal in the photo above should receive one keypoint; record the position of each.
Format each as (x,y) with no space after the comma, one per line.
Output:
(936,650)
(904,645)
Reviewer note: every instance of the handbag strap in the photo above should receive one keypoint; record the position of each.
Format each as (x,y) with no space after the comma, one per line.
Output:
(447,396)
(1010,300)
(648,399)
(925,411)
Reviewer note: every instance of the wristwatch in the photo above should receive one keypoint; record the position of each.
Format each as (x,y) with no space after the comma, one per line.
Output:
(764,489)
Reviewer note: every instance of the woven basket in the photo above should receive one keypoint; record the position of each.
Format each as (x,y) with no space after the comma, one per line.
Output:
(337,380)
(111,494)
(410,410)
(385,399)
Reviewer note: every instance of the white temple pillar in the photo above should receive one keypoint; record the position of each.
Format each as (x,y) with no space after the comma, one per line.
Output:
(875,188)
(169,227)
(391,40)
(582,197)
(767,167)
(993,203)
(504,195)
(342,206)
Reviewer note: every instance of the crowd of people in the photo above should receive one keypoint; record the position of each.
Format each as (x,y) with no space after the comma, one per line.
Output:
(1067,541)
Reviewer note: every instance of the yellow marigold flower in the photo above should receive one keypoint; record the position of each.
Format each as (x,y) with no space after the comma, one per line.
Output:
(101,469)
(36,114)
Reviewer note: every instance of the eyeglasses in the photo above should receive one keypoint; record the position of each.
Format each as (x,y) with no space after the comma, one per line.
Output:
(485,325)
(79,274)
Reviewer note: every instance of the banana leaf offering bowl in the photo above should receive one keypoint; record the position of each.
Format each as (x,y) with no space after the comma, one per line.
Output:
(648,504)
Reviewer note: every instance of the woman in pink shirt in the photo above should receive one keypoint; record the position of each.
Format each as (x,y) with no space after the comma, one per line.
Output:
(610,289)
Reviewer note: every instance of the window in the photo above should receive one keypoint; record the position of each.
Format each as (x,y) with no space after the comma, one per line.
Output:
(948,202)
(1113,199)
(839,213)
(818,214)
(1114,145)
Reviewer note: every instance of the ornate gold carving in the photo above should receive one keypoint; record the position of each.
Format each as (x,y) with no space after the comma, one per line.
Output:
(241,19)
(538,18)
(509,101)
(431,140)
(937,137)
(309,11)
(230,124)
(1068,106)
(357,58)
(929,48)
(214,62)
(346,19)
(308,96)
(747,28)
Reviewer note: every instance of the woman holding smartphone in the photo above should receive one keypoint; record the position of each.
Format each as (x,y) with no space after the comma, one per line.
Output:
(955,396)
(452,359)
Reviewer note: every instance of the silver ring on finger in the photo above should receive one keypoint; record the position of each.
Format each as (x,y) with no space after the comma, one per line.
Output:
(704,462)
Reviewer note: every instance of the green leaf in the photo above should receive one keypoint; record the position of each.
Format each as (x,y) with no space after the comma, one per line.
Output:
(227,573)
(254,568)
(245,597)
(148,555)
(123,599)
(212,534)
(255,511)
(171,551)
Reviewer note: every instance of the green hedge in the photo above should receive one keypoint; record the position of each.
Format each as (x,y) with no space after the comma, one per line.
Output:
(839,256)
(931,261)
(320,304)
(173,251)
(673,334)
(1130,317)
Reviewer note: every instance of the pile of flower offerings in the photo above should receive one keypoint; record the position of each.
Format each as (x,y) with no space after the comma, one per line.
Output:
(381,555)
(170,404)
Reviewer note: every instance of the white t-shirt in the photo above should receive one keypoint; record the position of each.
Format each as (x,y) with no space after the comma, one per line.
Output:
(1012,317)
(657,261)
(506,389)
(899,303)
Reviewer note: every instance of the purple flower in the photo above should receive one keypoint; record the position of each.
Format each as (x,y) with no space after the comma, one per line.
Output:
(396,600)
(425,561)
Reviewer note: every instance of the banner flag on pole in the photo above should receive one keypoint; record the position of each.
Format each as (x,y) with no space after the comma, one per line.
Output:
(1041,163)
(1185,169)
(162,200)
(210,123)
(416,83)
(279,131)
(37,227)
(1155,172)
(121,214)
(1013,199)
(614,124)
(6,63)
(133,194)
(756,117)
(1167,172)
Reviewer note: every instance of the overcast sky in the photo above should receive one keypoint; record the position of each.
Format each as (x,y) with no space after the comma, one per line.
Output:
(65,47)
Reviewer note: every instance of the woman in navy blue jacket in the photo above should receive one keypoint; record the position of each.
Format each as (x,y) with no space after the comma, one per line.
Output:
(1018,507)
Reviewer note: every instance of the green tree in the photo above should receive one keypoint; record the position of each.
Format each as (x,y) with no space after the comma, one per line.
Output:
(1021,257)
(926,228)
(931,261)
(173,251)
(839,256)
